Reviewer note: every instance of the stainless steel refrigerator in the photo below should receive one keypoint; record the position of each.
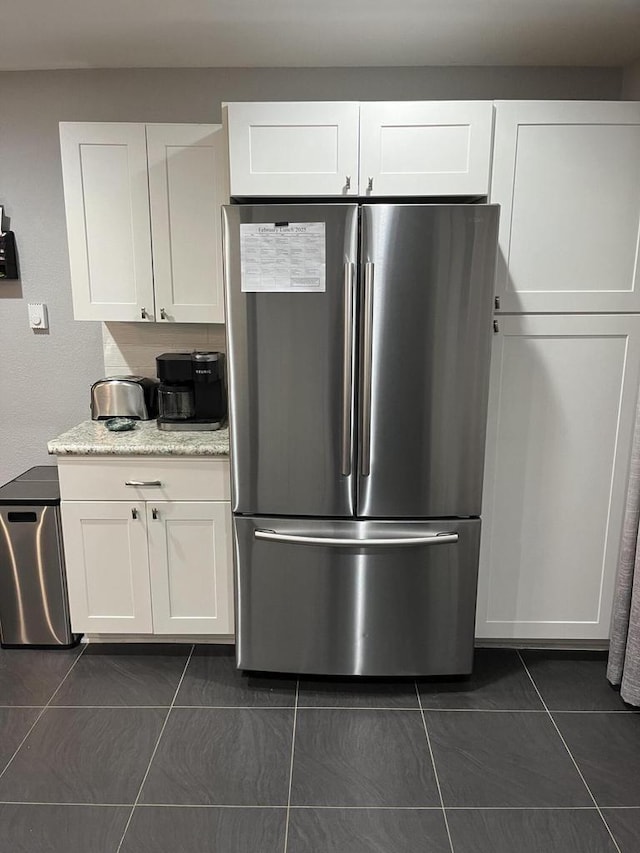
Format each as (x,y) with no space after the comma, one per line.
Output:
(357,419)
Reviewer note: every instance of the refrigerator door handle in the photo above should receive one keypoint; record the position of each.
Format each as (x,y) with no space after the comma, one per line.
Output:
(347,371)
(367,342)
(397,542)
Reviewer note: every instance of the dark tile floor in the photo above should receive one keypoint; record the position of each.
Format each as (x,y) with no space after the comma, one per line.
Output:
(169,749)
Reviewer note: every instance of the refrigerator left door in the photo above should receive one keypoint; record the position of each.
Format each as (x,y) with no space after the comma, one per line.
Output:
(291,362)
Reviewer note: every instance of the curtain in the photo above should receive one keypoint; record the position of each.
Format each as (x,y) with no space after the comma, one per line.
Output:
(624,650)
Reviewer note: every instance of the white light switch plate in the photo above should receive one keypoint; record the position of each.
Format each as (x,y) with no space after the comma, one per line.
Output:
(38,315)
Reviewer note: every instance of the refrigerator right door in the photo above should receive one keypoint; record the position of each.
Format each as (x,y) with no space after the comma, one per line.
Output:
(425,339)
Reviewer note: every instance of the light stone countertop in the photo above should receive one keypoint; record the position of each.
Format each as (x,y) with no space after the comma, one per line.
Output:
(92,438)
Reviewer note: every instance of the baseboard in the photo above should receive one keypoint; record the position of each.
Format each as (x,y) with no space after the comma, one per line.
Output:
(570,645)
(157,638)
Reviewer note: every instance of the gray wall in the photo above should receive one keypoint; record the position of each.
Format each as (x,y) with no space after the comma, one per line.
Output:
(45,379)
(631,82)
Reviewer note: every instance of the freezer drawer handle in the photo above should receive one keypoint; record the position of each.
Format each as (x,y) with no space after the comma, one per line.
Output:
(365,447)
(347,371)
(143,483)
(436,539)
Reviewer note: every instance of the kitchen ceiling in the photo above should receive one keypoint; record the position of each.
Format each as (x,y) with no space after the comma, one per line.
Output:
(243,33)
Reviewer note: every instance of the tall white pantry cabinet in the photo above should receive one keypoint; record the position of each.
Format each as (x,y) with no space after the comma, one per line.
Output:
(565,367)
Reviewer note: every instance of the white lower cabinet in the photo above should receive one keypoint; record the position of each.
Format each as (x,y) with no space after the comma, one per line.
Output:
(162,567)
(562,407)
(190,561)
(107,559)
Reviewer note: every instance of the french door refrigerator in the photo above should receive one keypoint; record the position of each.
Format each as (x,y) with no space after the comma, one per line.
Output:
(357,424)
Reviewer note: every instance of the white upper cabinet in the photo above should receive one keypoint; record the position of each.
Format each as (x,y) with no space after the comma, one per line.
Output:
(567,177)
(350,149)
(104,168)
(188,182)
(280,149)
(418,148)
(131,187)
(561,412)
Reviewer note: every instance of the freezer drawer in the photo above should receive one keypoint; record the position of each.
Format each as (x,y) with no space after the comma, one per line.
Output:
(379,598)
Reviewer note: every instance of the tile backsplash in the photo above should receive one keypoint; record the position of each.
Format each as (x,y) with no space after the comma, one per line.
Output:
(131,348)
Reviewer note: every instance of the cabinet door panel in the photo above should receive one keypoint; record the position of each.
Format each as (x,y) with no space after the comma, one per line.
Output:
(567,178)
(188,182)
(107,566)
(191,567)
(425,148)
(293,149)
(562,406)
(104,170)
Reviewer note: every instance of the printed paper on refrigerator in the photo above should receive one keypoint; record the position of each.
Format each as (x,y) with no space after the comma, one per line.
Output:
(283,257)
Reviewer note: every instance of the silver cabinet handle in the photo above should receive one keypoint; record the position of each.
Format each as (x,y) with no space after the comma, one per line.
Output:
(347,371)
(435,539)
(143,483)
(163,314)
(143,313)
(347,183)
(154,514)
(134,513)
(370,185)
(367,355)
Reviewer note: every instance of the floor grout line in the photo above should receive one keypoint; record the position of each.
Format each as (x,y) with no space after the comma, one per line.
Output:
(303,708)
(293,747)
(435,771)
(283,807)
(233,707)
(356,708)
(35,722)
(575,763)
(155,749)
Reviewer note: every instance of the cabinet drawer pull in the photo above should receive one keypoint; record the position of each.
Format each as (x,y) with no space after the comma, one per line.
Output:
(134,513)
(154,514)
(143,483)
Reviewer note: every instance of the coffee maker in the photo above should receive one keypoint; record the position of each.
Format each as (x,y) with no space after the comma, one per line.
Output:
(192,394)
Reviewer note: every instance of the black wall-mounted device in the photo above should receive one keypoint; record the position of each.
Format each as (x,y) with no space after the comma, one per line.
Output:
(8,257)
(8,260)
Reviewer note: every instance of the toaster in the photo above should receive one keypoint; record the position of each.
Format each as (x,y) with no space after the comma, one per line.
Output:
(125,397)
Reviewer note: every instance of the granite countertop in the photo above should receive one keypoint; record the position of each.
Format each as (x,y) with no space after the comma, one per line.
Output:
(92,438)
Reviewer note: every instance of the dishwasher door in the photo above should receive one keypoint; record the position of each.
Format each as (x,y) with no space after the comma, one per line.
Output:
(375,598)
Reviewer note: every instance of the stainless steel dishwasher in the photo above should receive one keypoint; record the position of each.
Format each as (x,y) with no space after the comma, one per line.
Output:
(34,609)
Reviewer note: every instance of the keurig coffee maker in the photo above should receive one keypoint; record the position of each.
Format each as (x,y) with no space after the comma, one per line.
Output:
(192,393)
